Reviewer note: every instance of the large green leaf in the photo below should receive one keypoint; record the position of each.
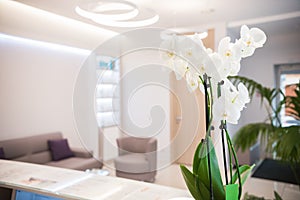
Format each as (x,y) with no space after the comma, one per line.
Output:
(191,183)
(203,170)
(286,144)
(197,157)
(248,135)
(284,141)
(198,181)
(245,171)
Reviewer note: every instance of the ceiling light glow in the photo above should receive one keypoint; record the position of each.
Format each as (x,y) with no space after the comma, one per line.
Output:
(116,13)
(114,6)
(113,17)
(47,45)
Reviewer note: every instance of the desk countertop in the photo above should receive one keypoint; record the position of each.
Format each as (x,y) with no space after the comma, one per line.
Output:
(72,184)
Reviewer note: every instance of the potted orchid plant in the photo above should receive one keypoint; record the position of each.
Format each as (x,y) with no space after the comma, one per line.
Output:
(208,71)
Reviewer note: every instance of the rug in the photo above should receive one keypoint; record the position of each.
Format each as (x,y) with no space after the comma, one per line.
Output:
(277,171)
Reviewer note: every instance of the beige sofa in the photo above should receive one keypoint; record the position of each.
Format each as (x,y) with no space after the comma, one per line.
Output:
(35,149)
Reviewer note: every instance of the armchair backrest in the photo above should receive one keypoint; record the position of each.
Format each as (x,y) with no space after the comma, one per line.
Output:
(136,145)
(147,146)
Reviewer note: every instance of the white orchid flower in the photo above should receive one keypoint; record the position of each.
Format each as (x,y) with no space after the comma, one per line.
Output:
(232,101)
(234,68)
(192,80)
(180,67)
(229,51)
(190,50)
(169,48)
(190,59)
(231,56)
(223,109)
(243,96)
(204,65)
(250,40)
(222,71)
(187,47)
(240,95)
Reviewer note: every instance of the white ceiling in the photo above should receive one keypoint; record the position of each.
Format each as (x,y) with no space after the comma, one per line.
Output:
(274,15)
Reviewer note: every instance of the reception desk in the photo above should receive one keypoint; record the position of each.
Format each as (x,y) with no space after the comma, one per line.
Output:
(72,184)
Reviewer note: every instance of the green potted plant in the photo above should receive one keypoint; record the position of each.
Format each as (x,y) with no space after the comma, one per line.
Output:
(281,141)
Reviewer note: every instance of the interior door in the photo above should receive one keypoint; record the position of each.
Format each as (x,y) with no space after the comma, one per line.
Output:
(187,116)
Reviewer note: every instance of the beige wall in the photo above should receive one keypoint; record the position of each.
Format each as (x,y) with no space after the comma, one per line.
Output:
(36,85)
(37,81)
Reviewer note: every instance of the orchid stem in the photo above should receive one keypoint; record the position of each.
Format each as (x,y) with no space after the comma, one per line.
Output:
(207,112)
(223,126)
(236,162)
(230,163)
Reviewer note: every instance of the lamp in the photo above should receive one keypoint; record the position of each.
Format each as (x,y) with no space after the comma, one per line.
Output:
(116,13)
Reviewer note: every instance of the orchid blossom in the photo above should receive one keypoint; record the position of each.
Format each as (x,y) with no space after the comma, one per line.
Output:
(192,81)
(189,59)
(231,102)
(250,40)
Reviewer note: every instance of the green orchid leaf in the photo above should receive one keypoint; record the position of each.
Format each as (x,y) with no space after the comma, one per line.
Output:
(205,194)
(277,196)
(203,171)
(245,171)
(190,180)
(197,157)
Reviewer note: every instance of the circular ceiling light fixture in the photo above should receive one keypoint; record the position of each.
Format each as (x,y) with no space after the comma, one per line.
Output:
(116,13)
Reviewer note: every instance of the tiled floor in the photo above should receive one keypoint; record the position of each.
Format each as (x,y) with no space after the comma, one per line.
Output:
(171,176)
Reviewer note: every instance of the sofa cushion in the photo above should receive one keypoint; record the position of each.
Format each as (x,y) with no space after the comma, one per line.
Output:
(21,148)
(132,163)
(37,158)
(77,163)
(60,149)
(11,152)
(2,155)
(41,141)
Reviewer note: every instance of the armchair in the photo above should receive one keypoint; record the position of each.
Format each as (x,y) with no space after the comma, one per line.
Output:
(137,158)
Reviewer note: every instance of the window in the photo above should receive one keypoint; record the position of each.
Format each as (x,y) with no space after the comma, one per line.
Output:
(107,92)
(287,78)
